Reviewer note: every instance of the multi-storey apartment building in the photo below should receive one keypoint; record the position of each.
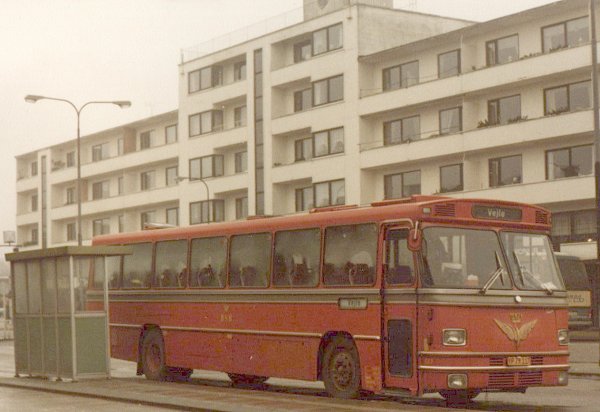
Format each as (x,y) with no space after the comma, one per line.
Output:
(357,102)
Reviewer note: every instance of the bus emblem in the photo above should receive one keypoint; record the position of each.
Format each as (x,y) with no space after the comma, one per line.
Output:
(513,333)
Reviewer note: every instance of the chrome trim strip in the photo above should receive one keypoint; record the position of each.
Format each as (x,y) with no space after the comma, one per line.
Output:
(490,354)
(245,332)
(492,368)
(252,292)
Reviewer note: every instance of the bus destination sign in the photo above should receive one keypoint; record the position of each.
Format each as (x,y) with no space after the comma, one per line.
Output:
(496,213)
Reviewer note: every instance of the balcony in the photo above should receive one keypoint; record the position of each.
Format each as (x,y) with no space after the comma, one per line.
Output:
(219,140)
(319,67)
(28,183)
(226,184)
(521,71)
(205,99)
(317,118)
(318,169)
(475,140)
(28,218)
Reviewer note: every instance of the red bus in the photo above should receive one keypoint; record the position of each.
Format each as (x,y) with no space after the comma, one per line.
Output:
(411,296)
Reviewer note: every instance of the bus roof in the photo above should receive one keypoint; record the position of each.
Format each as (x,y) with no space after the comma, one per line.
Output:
(483,212)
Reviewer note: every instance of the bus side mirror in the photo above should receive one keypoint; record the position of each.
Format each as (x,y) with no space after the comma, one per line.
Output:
(415,238)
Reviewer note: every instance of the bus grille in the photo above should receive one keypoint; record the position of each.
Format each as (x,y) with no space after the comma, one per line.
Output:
(496,361)
(541,217)
(537,360)
(445,209)
(501,380)
(530,378)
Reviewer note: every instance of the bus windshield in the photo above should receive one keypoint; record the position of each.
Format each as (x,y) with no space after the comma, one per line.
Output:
(531,260)
(463,258)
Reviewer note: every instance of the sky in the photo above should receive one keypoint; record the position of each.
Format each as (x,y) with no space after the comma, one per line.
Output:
(84,50)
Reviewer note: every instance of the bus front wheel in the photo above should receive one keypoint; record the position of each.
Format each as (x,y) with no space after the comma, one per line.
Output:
(341,369)
(459,396)
(153,356)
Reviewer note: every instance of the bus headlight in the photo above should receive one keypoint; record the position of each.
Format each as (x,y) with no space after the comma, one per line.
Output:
(457,381)
(563,378)
(454,337)
(563,336)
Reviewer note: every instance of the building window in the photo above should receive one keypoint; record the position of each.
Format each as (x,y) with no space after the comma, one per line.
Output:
(569,162)
(171,176)
(451,120)
(172,216)
(207,211)
(34,202)
(304,199)
(504,50)
(328,142)
(121,185)
(567,98)
(34,168)
(303,149)
(148,180)
(71,232)
(577,226)
(171,134)
(99,152)
(451,178)
(302,51)
(449,64)
(146,140)
(121,219)
(401,76)
(567,34)
(147,218)
(239,116)
(241,162)
(328,90)
(402,185)
(327,39)
(205,122)
(205,78)
(70,196)
(100,190)
(330,193)
(70,159)
(34,236)
(402,130)
(239,71)
(241,207)
(207,166)
(100,227)
(505,171)
(302,100)
(120,146)
(504,110)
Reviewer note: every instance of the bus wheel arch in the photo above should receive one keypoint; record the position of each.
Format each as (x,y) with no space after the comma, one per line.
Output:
(338,365)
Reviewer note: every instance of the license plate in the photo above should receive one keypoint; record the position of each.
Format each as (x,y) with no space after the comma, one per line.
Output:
(518,361)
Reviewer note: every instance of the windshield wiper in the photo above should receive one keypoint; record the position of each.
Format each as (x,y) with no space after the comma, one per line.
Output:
(523,272)
(497,274)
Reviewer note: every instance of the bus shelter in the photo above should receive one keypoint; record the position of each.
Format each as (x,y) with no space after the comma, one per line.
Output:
(60,328)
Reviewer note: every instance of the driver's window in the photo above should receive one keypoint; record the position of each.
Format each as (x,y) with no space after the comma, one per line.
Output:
(399,265)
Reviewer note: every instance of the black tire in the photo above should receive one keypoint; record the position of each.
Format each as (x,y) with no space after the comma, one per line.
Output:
(459,397)
(153,356)
(341,369)
(239,379)
(179,374)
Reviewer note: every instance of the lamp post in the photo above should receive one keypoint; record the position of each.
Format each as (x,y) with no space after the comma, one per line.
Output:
(182,178)
(30,98)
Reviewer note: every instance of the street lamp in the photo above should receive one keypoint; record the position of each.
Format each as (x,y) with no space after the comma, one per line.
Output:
(182,178)
(31,98)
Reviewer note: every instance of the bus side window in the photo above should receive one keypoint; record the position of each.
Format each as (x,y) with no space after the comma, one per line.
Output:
(113,268)
(350,255)
(399,265)
(297,258)
(171,264)
(250,260)
(137,267)
(208,262)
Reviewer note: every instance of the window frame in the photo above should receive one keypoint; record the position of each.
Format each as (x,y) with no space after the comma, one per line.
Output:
(104,223)
(460,120)
(145,183)
(239,71)
(565,34)
(499,177)
(387,141)
(214,126)
(174,178)
(145,217)
(328,82)
(461,174)
(570,151)
(387,183)
(298,50)
(146,139)
(327,39)
(300,103)
(71,229)
(458,62)
(100,152)
(176,137)
(213,167)
(329,188)
(401,85)
(488,63)
(241,210)
(329,142)
(568,90)
(499,121)
(299,196)
(104,193)
(211,210)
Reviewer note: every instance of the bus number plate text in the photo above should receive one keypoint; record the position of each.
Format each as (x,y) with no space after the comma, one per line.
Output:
(352,303)
(518,361)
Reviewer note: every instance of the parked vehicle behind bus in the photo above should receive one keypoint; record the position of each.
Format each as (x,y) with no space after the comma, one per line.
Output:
(579,290)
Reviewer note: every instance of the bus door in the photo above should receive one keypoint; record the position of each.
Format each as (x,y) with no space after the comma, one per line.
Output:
(399,311)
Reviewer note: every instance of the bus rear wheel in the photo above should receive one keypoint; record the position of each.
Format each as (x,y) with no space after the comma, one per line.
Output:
(459,396)
(239,379)
(153,356)
(341,369)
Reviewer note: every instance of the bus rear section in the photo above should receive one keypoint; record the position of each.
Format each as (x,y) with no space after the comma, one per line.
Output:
(579,290)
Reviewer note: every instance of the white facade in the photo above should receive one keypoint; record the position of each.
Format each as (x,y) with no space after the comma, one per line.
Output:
(507,160)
